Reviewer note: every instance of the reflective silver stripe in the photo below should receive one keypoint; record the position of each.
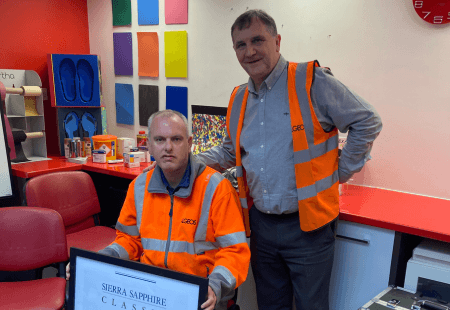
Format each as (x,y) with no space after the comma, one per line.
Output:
(200,234)
(231,239)
(306,192)
(226,274)
(154,244)
(129,230)
(178,246)
(303,100)
(181,247)
(243,203)
(203,246)
(324,147)
(315,151)
(239,172)
(301,157)
(120,250)
(235,112)
(139,191)
(312,190)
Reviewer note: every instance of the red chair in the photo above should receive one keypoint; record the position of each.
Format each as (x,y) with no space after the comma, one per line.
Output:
(32,238)
(73,195)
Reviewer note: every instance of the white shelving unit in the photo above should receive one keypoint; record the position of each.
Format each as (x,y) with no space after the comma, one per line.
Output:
(25,115)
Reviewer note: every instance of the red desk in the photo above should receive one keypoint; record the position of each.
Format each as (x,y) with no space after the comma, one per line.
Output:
(402,212)
(32,169)
(56,164)
(117,170)
(409,213)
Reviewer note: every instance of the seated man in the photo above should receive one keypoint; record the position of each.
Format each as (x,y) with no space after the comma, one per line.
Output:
(183,215)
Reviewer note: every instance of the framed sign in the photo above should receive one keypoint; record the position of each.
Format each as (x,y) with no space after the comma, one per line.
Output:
(99,281)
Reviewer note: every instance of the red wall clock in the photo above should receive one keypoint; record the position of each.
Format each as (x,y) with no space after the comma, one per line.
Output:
(433,11)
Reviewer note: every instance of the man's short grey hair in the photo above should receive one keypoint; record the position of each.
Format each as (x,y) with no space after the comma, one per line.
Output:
(245,20)
(169,113)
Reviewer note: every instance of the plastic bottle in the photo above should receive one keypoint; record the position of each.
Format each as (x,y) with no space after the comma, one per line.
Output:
(142,139)
(142,144)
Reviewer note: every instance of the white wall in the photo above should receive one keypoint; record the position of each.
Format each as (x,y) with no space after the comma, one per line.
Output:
(380,49)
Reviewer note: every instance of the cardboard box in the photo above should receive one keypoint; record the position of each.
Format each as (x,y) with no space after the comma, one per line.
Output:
(140,156)
(130,161)
(124,145)
(99,156)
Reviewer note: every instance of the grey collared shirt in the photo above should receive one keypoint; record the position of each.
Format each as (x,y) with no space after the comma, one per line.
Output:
(266,138)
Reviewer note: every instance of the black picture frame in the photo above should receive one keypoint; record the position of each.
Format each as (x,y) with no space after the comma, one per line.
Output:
(201,282)
(202,109)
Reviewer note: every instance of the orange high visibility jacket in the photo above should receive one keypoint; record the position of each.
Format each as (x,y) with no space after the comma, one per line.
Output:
(315,151)
(198,230)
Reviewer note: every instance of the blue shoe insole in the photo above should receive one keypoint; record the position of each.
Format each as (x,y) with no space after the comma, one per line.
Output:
(71,122)
(89,124)
(67,78)
(85,79)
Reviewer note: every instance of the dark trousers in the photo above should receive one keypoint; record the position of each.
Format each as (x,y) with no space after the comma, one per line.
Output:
(288,262)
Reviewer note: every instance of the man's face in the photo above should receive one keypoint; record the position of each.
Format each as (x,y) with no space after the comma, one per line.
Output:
(257,50)
(169,143)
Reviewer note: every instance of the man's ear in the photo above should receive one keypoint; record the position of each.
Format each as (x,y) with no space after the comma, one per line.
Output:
(190,142)
(278,41)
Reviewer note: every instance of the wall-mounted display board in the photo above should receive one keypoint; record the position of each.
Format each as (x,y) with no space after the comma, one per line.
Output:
(175,52)
(79,122)
(25,114)
(176,11)
(148,102)
(177,99)
(74,80)
(121,10)
(123,53)
(76,91)
(124,104)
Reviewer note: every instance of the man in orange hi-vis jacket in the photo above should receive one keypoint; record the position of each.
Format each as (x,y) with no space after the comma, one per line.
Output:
(183,215)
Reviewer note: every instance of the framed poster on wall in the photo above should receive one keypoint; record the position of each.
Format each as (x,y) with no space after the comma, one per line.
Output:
(208,127)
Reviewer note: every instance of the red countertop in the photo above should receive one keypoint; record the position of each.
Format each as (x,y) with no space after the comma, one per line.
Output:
(403,212)
(118,170)
(32,169)
(55,164)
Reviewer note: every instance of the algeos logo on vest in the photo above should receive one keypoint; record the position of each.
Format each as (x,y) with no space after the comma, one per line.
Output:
(189,221)
(298,127)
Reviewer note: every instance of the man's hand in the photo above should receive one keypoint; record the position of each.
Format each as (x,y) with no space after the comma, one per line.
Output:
(152,166)
(210,303)
(68,272)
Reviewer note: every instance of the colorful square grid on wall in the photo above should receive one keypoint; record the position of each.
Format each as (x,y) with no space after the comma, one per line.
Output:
(177,99)
(121,10)
(123,53)
(124,104)
(148,12)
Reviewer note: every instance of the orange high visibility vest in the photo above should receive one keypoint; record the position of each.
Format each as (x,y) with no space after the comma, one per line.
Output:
(202,236)
(315,151)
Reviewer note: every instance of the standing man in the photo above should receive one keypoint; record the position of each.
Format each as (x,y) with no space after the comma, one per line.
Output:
(183,215)
(282,135)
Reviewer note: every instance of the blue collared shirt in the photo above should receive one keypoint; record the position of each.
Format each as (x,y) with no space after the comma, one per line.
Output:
(266,138)
(185,180)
